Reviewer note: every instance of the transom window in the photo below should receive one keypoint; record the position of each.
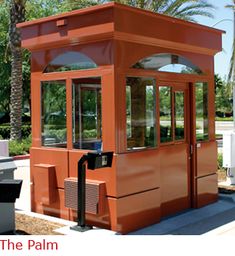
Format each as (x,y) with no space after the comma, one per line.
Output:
(70,61)
(169,63)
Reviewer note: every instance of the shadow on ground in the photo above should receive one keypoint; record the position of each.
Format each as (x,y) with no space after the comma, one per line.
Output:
(195,221)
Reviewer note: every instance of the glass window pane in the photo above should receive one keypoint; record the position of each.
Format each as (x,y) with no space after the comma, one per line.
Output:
(70,61)
(87,113)
(179,115)
(201,90)
(165,114)
(53,116)
(140,112)
(169,63)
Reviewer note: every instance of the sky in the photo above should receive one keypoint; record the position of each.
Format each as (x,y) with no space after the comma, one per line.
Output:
(222,59)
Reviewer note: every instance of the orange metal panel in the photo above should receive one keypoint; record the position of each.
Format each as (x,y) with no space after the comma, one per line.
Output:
(69,117)
(56,209)
(108,110)
(137,172)
(90,27)
(175,178)
(51,156)
(45,194)
(168,29)
(95,220)
(120,110)
(80,12)
(206,153)
(129,53)
(207,190)
(107,175)
(100,52)
(135,211)
(35,110)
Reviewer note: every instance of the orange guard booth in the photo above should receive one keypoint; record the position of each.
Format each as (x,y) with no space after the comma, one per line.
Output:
(121,79)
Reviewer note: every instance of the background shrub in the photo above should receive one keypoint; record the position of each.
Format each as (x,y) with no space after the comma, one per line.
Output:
(19,147)
(220,161)
(5,131)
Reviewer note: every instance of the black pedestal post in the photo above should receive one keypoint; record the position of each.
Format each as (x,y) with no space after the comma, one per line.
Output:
(81,197)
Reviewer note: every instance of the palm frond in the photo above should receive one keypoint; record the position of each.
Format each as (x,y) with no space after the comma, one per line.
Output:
(195,10)
(183,9)
(230,6)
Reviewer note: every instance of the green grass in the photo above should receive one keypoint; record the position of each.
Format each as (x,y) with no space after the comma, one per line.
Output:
(224,119)
(218,136)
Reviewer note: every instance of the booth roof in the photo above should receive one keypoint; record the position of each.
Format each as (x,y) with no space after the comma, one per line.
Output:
(115,5)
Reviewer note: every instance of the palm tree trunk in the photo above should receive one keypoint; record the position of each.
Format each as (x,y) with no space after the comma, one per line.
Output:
(233,81)
(17,14)
(16,93)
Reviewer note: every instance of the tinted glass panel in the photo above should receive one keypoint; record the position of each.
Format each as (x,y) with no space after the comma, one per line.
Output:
(168,62)
(70,61)
(201,90)
(53,115)
(140,112)
(87,113)
(179,115)
(165,114)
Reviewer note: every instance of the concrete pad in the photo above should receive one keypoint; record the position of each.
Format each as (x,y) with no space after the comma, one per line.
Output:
(23,172)
(90,233)
(227,229)
(194,221)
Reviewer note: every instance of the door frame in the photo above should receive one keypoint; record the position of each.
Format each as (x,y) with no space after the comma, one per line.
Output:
(184,87)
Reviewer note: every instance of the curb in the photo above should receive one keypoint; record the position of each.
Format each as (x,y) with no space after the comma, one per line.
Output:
(227,197)
(21,157)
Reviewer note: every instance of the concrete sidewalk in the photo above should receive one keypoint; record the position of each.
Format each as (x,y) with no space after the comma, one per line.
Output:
(214,219)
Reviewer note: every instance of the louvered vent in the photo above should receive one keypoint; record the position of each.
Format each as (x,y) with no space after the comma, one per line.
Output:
(95,195)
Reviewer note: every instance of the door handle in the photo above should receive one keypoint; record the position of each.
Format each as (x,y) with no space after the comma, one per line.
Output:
(191,149)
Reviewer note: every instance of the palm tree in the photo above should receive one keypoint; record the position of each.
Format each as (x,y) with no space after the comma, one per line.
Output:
(183,9)
(231,75)
(17,14)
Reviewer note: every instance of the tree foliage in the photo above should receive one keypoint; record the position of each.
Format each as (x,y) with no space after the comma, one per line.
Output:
(5,66)
(231,75)
(223,98)
(183,9)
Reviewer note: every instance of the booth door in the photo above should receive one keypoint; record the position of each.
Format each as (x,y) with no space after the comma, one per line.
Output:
(204,147)
(174,114)
(86,119)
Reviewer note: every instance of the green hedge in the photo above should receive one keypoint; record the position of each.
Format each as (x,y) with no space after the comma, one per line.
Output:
(19,147)
(5,131)
(220,161)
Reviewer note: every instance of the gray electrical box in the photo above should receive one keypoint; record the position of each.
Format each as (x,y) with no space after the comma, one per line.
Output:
(9,191)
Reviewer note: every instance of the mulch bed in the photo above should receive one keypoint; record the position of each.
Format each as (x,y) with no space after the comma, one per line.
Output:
(27,225)
(221,175)
(224,189)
